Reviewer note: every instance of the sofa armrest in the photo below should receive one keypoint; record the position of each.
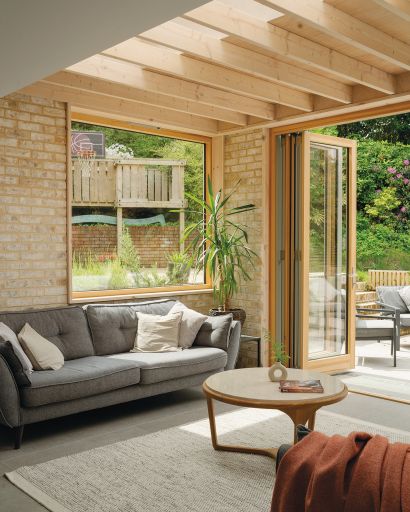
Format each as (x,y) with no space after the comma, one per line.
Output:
(233,345)
(9,397)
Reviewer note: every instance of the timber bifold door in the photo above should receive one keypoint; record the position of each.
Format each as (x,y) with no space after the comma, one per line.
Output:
(315,249)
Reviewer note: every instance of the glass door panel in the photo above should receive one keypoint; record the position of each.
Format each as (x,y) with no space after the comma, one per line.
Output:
(328,252)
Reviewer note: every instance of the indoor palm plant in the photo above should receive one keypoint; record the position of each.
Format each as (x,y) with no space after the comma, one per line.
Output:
(220,246)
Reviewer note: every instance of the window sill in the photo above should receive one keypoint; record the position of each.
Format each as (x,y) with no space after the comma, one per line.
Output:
(146,295)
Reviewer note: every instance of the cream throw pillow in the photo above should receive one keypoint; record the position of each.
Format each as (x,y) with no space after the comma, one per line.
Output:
(43,354)
(157,333)
(190,324)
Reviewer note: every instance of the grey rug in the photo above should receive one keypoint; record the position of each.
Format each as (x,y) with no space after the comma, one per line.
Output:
(388,386)
(177,469)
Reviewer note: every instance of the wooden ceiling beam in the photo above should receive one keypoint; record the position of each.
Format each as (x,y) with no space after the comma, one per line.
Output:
(231,56)
(400,8)
(166,61)
(281,42)
(111,89)
(128,110)
(346,28)
(118,71)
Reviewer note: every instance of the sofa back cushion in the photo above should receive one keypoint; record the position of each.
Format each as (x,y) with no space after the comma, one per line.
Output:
(66,327)
(114,326)
(390,295)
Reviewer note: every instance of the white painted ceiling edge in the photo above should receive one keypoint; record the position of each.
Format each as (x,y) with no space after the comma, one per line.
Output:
(40,37)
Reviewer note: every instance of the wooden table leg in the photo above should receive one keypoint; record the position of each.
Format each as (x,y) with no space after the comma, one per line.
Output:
(311,421)
(301,417)
(267,452)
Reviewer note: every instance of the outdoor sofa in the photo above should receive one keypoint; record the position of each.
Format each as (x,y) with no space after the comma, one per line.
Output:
(99,369)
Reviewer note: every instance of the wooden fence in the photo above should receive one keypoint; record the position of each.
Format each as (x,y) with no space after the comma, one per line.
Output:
(388,278)
(142,183)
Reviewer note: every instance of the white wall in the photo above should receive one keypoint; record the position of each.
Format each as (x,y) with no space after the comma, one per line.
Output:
(40,37)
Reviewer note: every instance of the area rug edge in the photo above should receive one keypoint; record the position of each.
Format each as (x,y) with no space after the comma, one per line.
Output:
(33,492)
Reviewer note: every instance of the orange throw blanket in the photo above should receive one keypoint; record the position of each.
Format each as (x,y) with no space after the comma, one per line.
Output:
(358,473)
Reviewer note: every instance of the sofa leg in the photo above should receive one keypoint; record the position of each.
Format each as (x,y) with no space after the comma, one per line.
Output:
(18,436)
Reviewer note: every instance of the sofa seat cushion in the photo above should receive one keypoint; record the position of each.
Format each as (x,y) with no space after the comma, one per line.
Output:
(162,366)
(80,378)
(66,327)
(372,327)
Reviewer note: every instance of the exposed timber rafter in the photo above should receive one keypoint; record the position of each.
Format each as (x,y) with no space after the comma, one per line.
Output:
(346,28)
(169,62)
(283,43)
(127,110)
(114,70)
(231,56)
(89,84)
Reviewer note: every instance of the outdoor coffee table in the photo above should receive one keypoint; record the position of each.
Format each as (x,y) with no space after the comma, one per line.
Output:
(251,387)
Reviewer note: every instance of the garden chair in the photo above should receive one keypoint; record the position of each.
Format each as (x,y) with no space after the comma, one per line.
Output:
(381,323)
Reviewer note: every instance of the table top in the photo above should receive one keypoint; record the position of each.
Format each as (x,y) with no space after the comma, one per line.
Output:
(252,386)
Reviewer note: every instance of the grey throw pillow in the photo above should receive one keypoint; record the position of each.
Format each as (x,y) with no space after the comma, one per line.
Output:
(8,335)
(214,332)
(20,375)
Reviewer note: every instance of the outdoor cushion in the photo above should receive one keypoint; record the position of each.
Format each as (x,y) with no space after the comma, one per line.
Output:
(372,327)
(114,326)
(214,332)
(80,378)
(66,327)
(405,295)
(390,295)
(160,366)
(405,320)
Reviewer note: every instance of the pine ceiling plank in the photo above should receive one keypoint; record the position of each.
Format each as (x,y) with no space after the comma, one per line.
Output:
(126,73)
(166,61)
(131,110)
(341,25)
(279,41)
(86,83)
(231,56)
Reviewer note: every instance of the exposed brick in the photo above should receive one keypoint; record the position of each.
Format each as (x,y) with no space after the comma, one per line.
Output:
(32,204)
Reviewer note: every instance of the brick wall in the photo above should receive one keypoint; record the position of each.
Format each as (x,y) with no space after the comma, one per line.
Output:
(33,253)
(32,202)
(243,161)
(153,243)
(33,235)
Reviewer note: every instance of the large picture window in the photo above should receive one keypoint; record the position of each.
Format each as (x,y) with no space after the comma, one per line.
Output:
(131,199)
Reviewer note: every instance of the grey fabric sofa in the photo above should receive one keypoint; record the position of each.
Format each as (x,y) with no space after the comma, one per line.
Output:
(99,369)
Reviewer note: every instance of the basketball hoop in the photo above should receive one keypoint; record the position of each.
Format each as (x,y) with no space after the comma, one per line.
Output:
(86,160)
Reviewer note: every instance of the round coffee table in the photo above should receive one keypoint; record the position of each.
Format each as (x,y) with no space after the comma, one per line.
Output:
(251,387)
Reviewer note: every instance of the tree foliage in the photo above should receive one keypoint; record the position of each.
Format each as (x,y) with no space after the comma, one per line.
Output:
(383,190)
(391,129)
